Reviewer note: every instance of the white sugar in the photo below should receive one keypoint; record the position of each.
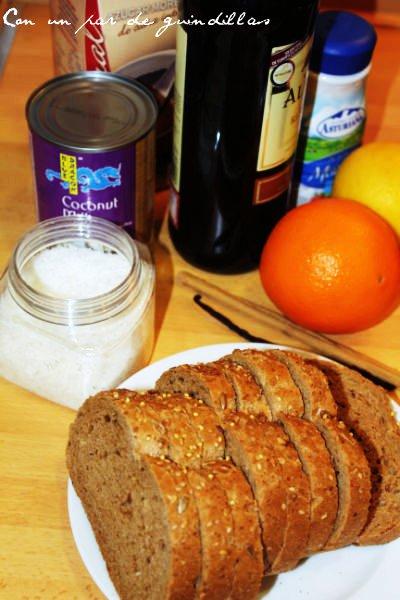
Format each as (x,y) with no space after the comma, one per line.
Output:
(73,271)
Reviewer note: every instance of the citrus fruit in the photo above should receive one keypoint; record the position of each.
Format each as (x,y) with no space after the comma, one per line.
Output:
(333,266)
(371,175)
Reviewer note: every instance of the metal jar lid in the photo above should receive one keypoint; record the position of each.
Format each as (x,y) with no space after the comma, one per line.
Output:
(91,111)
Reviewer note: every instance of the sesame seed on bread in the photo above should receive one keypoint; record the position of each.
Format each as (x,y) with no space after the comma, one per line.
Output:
(247,547)
(318,465)
(366,410)
(216,527)
(141,508)
(203,382)
(249,395)
(274,379)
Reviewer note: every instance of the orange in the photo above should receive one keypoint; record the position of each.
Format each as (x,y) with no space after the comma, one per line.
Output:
(333,266)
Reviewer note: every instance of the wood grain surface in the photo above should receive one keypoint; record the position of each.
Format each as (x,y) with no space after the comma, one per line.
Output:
(37,554)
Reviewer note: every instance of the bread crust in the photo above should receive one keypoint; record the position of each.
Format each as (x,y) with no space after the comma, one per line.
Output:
(319,400)
(249,395)
(122,492)
(298,505)
(216,526)
(317,463)
(366,410)
(250,443)
(354,482)
(275,380)
(201,381)
(247,547)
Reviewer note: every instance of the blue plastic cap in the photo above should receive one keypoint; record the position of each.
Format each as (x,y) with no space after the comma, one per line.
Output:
(343,45)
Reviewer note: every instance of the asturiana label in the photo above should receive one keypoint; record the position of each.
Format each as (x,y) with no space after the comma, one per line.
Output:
(341,123)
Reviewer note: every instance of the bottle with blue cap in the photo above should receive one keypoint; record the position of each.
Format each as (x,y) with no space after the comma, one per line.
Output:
(335,108)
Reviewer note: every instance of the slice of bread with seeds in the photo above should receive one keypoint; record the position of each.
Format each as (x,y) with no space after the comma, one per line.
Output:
(367,411)
(250,440)
(317,464)
(249,395)
(182,417)
(317,397)
(352,470)
(247,554)
(274,379)
(216,533)
(262,450)
(203,382)
(142,509)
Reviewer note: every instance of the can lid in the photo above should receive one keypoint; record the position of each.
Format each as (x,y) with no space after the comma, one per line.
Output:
(343,45)
(91,111)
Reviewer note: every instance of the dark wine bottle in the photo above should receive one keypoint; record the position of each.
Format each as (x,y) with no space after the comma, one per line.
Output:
(239,98)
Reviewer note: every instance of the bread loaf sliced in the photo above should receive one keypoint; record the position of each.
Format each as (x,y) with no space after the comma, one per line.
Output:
(366,410)
(353,479)
(141,509)
(216,532)
(352,471)
(249,395)
(279,484)
(184,444)
(191,425)
(298,505)
(275,381)
(249,445)
(318,400)
(317,464)
(247,547)
(202,382)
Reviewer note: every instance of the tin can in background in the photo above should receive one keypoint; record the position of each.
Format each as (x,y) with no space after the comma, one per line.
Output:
(111,36)
(92,137)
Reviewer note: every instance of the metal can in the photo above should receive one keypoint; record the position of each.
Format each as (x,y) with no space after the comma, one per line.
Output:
(92,138)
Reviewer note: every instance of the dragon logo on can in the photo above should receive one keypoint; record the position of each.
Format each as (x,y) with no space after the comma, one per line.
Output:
(90,180)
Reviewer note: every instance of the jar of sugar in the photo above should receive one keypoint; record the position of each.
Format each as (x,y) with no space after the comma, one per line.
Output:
(76,309)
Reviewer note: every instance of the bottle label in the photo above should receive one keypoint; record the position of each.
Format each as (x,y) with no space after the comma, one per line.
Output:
(180,74)
(333,126)
(283,104)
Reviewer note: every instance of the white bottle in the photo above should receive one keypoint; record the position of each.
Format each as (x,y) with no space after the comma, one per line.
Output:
(335,108)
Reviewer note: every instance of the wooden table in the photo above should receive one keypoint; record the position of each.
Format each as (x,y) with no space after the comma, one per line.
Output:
(38,557)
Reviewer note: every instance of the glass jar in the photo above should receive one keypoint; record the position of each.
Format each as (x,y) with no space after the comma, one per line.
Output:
(68,349)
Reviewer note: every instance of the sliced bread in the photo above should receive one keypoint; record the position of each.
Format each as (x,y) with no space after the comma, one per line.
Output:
(249,395)
(263,451)
(317,464)
(352,470)
(247,547)
(298,505)
(216,532)
(249,445)
(203,382)
(366,410)
(318,400)
(274,379)
(141,508)
(353,479)
(184,417)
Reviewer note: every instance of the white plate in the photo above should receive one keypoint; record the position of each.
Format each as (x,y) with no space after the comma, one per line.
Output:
(349,574)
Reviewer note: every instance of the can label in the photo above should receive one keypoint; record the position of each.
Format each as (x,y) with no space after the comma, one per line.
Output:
(333,127)
(114,185)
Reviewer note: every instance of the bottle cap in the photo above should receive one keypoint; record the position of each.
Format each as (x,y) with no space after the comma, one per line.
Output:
(343,45)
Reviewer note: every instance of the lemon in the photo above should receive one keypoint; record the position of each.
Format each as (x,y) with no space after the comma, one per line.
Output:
(371,175)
